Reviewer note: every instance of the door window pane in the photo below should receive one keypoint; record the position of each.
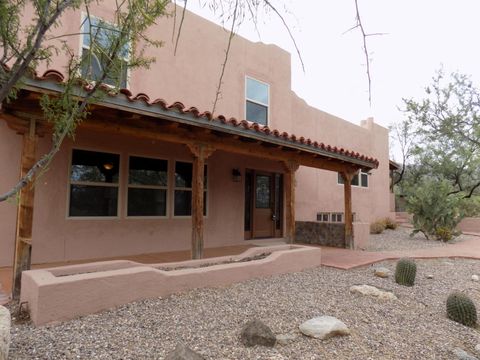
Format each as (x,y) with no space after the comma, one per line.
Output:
(147,202)
(262,192)
(87,200)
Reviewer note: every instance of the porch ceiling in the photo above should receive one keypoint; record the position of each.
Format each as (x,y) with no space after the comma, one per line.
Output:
(138,116)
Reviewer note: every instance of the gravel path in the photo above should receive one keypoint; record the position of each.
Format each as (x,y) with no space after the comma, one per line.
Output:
(209,320)
(400,239)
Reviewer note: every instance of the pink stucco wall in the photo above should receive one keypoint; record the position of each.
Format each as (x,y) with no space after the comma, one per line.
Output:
(191,76)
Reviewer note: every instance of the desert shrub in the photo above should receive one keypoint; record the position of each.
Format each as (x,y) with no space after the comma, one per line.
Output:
(390,224)
(377,227)
(444,234)
(437,209)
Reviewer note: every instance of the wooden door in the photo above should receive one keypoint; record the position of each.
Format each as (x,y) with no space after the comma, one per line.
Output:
(263,204)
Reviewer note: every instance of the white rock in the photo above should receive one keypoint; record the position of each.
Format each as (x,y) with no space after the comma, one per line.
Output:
(429,276)
(463,355)
(477,348)
(373,291)
(382,272)
(475,278)
(4,332)
(324,327)
(285,339)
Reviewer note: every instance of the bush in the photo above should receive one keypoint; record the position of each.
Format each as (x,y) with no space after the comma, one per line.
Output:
(436,209)
(377,227)
(390,224)
(444,234)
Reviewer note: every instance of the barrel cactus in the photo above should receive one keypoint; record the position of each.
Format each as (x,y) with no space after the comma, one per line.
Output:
(460,308)
(405,272)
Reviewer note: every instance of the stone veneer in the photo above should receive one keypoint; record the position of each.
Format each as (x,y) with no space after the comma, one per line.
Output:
(320,233)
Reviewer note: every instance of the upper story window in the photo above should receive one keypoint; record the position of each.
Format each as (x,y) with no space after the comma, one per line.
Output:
(257,96)
(98,40)
(361,179)
(94,184)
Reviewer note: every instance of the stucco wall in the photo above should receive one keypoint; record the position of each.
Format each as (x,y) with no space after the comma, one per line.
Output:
(191,76)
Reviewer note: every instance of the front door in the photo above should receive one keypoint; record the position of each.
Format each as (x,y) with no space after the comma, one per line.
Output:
(263,204)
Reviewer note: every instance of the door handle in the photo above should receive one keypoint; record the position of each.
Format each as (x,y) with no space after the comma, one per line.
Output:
(274,217)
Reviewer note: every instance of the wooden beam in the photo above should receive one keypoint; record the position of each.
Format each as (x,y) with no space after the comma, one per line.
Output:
(148,130)
(23,237)
(200,153)
(290,169)
(347,191)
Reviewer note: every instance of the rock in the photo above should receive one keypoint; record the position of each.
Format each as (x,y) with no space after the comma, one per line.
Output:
(257,333)
(382,272)
(373,291)
(285,339)
(183,352)
(324,327)
(463,355)
(4,332)
(429,276)
(475,278)
(477,349)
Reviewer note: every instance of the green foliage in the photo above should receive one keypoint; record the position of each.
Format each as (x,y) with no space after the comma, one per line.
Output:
(436,209)
(377,227)
(405,272)
(444,234)
(460,308)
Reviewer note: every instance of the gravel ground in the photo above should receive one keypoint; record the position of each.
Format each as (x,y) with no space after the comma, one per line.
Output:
(209,320)
(400,239)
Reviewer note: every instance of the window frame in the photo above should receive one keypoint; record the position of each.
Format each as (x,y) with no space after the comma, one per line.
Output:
(321,214)
(87,183)
(335,215)
(154,187)
(174,188)
(83,16)
(360,182)
(268,106)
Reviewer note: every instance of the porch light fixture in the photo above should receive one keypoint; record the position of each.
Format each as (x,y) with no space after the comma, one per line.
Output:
(108,166)
(236,175)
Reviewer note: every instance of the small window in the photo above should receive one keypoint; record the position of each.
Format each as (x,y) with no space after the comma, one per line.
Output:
(183,189)
(360,179)
(147,187)
(257,101)
(95,53)
(337,217)
(323,217)
(94,184)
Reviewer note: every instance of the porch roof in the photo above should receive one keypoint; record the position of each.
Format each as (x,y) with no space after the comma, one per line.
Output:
(149,111)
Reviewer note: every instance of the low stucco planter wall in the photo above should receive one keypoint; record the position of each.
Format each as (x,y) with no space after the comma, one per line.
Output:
(64,293)
(4,332)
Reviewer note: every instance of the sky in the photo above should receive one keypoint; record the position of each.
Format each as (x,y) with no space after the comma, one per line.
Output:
(420,37)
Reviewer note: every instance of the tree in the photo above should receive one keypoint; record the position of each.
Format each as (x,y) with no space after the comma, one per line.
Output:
(446,138)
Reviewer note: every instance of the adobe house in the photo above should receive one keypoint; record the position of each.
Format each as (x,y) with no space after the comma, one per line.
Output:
(152,170)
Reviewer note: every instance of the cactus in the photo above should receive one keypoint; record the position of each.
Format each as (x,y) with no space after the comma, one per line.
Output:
(405,272)
(461,309)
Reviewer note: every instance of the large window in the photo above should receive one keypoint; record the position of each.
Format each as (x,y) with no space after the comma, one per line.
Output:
(183,189)
(147,187)
(361,179)
(257,101)
(94,184)
(98,39)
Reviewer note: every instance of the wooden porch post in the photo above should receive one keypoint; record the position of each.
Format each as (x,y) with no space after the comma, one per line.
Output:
(347,191)
(200,152)
(23,237)
(290,168)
